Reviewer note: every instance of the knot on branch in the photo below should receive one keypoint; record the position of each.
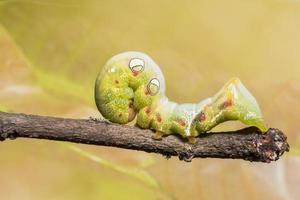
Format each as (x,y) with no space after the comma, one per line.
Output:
(272,145)
(7,130)
(186,156)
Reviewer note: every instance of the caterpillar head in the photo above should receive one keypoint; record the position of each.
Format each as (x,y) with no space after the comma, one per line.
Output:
(137,68)
(132,76)
(143,75)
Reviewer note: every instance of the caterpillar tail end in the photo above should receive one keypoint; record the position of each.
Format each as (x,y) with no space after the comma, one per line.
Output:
(232,102)
(240,104)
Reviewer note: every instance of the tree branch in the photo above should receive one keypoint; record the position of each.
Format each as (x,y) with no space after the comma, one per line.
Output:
(248,144)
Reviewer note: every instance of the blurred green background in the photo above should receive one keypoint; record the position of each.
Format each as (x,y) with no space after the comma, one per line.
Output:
(51,52)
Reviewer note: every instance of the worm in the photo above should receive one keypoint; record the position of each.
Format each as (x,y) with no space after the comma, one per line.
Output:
(132,86)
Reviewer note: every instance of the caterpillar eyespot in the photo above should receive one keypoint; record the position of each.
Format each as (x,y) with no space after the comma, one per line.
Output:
(121,97)
(136,65)
(153,86)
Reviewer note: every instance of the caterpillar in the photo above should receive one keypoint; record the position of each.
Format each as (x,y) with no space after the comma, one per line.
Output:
(131,85)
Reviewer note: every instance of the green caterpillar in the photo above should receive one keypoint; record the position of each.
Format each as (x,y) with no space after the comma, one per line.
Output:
(132,85)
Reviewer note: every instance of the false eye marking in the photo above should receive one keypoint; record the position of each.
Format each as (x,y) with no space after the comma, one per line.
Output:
(136,65)
(153,86)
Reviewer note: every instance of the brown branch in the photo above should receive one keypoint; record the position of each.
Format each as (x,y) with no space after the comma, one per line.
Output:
(248,144)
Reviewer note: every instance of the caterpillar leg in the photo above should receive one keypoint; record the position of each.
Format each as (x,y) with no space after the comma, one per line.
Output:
(232,102)
(191,139)
(158,135)
(147,118)
(156,117)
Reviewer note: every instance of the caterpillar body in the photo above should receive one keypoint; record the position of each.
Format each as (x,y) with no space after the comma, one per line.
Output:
(131,85)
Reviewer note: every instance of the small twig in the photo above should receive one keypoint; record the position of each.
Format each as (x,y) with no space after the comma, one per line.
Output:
(248,144)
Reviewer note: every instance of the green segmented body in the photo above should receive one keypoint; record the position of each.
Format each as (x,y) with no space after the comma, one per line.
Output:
(131,84)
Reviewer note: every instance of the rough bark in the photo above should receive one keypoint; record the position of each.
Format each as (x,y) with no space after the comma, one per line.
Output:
(248,144)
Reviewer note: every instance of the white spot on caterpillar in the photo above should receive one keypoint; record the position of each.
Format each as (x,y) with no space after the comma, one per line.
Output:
(136,65)
(153,86)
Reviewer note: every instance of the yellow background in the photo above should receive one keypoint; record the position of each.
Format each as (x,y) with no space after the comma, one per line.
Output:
(51,52)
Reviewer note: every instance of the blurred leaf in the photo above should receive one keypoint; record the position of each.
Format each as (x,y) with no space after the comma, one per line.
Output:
(56,84)
(56,46)
(64,88)
(137,173)
(25,88)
